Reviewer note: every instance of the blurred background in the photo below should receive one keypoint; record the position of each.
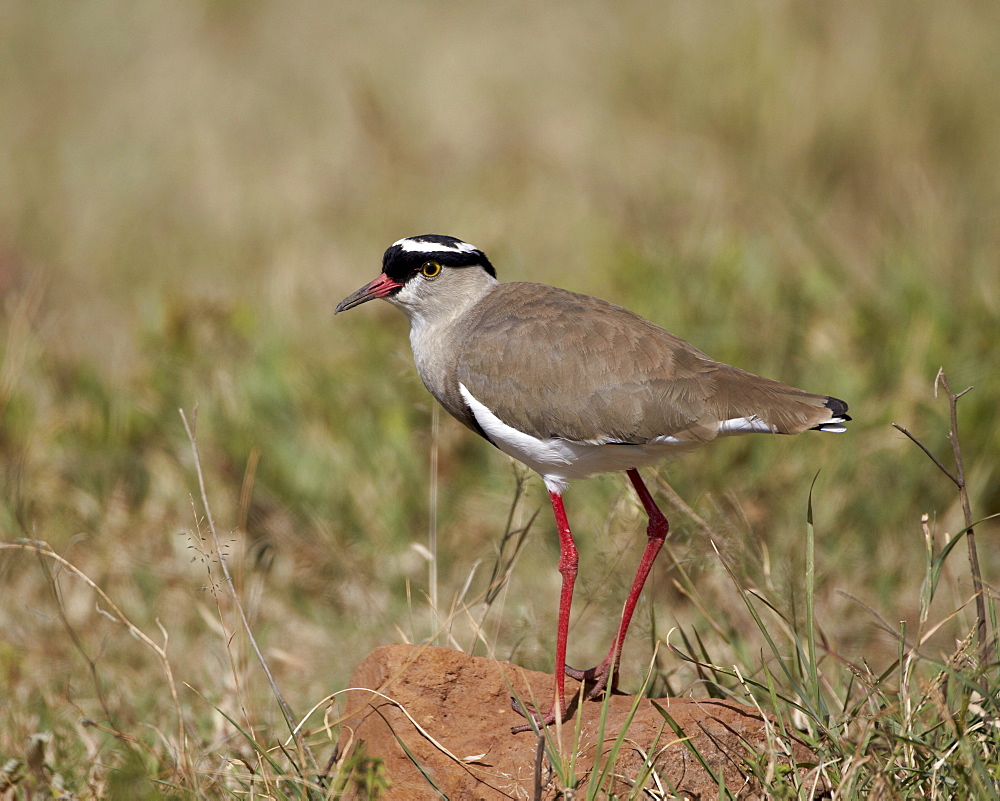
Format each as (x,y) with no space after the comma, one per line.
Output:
(810,192)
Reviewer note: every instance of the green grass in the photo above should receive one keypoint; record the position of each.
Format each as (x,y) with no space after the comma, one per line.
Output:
(187,191)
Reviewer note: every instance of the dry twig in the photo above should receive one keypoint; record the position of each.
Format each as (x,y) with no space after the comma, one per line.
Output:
(958,479)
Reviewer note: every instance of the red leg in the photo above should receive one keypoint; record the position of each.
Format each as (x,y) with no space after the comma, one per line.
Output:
(568,560)
(606,673)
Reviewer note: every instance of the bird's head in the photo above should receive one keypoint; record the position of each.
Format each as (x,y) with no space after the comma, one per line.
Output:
(427,270)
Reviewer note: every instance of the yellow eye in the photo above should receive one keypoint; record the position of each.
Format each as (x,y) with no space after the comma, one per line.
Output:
(430,269)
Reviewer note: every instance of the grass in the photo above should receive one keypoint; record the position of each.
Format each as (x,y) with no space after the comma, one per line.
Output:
(806,192)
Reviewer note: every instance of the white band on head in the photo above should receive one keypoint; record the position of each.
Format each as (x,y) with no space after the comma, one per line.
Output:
(417,246)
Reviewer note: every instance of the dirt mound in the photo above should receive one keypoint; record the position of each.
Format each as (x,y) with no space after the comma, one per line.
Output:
(456,727)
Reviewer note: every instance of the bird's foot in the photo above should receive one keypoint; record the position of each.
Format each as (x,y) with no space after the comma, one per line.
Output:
(539,721)
(596,679)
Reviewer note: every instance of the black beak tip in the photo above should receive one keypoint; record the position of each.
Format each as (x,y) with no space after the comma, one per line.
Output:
(347,303)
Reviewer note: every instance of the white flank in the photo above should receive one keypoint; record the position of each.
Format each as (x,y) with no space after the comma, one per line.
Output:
(745,425)
(416,246)
(834,427)
(560,460)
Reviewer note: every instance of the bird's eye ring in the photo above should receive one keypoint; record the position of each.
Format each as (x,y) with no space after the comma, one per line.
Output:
(430,269)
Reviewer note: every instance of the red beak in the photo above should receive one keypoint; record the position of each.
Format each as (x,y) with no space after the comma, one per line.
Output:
(378,288)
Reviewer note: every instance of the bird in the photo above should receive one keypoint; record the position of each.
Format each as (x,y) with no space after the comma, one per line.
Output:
(572,386)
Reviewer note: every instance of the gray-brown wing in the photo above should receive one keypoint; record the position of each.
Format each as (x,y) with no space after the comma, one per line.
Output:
(553,363)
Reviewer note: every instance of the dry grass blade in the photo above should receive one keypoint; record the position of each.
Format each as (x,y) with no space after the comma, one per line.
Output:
(987,650)
(285,709)
(469,760)
(44,551)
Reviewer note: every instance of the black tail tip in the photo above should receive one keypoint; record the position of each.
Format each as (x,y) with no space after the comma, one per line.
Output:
(838,408)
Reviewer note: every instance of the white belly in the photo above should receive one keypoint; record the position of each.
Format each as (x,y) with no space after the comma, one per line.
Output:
(560,461)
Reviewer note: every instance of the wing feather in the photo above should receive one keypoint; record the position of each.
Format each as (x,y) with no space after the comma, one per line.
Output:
(553,363)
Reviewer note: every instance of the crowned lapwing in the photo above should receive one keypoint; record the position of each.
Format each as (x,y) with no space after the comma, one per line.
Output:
(571,386)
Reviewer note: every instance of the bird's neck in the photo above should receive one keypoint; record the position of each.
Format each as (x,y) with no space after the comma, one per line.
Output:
(436,329)
(432,315)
